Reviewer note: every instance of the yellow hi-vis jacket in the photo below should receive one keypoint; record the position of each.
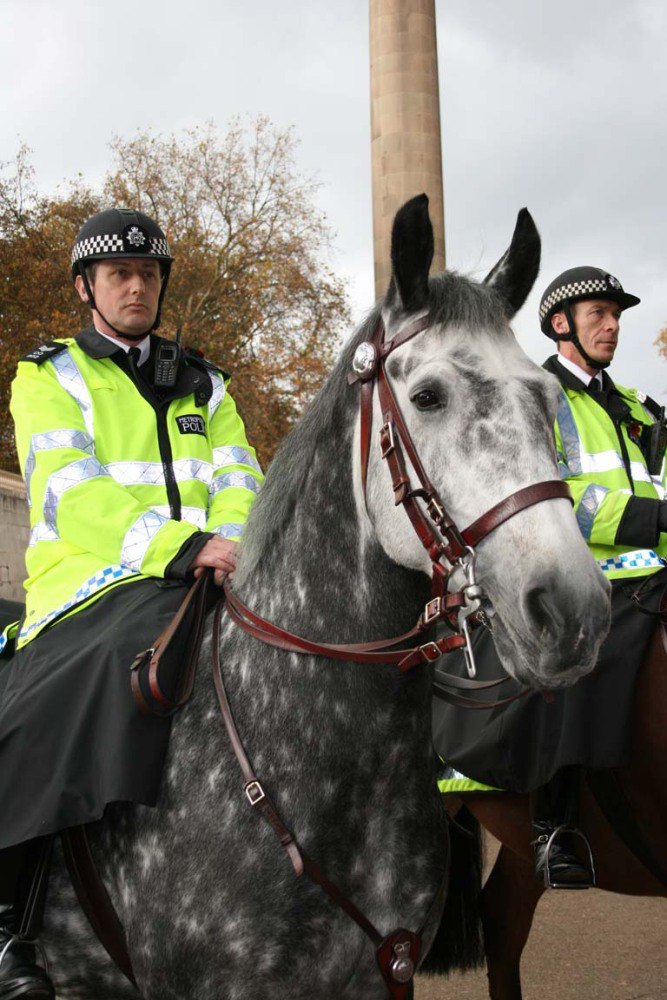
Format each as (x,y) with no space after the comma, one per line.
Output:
(616,499)
(120,484)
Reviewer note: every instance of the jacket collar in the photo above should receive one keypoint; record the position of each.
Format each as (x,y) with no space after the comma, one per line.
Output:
(569,379)
(192,379)
(94,345)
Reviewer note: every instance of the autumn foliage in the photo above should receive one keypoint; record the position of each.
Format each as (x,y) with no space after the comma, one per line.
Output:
(661,343)
(250,286)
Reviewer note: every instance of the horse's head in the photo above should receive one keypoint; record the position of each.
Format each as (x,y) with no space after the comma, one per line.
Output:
(481,415)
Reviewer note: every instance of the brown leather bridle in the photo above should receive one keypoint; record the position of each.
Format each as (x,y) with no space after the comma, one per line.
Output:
(433,525)
(397,953)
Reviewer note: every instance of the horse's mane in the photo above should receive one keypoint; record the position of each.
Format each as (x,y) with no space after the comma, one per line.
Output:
(323,427)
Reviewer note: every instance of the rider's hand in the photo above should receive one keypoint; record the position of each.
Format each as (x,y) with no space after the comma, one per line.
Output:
(218,554)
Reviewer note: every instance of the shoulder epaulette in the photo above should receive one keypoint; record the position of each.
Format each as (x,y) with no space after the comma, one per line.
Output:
(653,408)
(197,358)
(45,352)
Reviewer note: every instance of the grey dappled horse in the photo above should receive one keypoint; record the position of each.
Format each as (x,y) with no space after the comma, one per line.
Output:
(209,901)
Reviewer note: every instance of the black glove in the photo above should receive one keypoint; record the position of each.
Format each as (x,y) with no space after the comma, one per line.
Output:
(662,516)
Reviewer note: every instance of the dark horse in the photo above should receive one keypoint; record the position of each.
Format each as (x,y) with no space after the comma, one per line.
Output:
(210,904)
(625,820)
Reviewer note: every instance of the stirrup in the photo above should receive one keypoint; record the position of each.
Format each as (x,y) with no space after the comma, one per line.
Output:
(549,881)
(34,943)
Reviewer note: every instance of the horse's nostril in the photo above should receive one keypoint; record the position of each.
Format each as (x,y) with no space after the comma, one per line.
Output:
(539,608)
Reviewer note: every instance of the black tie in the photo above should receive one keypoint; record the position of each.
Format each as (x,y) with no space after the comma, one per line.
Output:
(594,386)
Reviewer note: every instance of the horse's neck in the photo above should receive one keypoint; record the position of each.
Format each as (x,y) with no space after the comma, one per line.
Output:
(318,578)
(324,577)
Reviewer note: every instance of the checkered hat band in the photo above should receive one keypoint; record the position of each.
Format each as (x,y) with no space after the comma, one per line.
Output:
(113,243)
(572,291)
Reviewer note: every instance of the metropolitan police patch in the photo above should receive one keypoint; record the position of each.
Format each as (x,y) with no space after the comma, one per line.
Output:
(191,423)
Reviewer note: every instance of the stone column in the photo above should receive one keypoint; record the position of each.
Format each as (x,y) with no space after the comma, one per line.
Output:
(405,122)
(14,536)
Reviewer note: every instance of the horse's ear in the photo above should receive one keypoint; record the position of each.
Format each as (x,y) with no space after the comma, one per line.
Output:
(514,274)
(411,256)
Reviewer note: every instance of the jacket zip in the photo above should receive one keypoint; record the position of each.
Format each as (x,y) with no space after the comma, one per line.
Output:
(173,493)
(166,454)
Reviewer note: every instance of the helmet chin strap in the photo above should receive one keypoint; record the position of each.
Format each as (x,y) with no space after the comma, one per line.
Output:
(572,336)
(119,333)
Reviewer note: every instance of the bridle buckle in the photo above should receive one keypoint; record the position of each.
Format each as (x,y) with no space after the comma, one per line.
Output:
(387,441)
(435,510)
(432,611)
(254,793)
(430,652)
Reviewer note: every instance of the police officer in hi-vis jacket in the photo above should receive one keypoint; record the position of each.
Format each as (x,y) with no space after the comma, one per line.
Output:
(139,477)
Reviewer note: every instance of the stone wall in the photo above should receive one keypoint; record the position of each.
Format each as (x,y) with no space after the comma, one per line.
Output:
(14,533)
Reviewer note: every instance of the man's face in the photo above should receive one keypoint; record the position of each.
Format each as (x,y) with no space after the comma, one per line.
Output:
(597,326)
(126,292)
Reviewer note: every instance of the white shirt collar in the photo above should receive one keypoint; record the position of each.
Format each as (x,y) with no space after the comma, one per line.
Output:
(143,345)
(580,373)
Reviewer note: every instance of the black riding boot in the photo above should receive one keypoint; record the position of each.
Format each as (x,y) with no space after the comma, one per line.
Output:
(24,872)
(554,815)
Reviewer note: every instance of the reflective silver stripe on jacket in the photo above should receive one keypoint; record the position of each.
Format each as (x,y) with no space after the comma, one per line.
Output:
(234,455)
(63,437)
(193,515)
(230,479)
(589,505)
(569,436)
(71,379)
(103,578)
(139,537)
(152,473)
(42,532)
(229,530)
(64,479)
(217,395)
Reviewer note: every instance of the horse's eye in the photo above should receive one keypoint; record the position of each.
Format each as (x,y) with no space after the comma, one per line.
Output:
(426,399)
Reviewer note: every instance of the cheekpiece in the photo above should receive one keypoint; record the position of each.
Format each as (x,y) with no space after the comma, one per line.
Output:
(364,361)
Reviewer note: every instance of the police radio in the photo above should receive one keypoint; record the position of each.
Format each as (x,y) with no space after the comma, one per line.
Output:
(167,363)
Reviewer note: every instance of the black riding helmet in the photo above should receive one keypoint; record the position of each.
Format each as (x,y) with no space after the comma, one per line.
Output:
(115,233)
(577,285)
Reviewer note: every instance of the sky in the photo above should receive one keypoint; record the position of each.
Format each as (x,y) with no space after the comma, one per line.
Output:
(558,105)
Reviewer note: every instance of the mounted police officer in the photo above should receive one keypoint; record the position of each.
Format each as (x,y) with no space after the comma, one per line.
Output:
(139,477)
(610,444)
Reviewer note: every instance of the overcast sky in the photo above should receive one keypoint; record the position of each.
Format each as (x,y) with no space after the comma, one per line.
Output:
(559,105)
